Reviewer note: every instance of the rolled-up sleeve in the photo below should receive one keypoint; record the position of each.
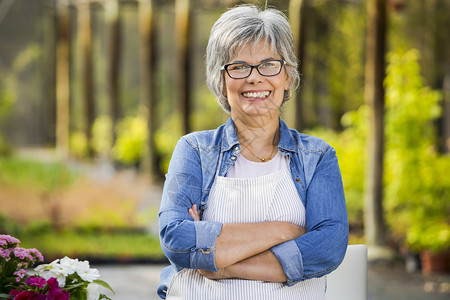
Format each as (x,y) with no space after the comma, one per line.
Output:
(185,242)
(203,256)
(290,259)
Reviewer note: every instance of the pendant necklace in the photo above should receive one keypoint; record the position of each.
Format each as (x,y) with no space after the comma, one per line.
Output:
(262,159)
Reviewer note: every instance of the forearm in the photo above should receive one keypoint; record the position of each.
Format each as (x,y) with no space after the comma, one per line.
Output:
(263,266)
(239,241)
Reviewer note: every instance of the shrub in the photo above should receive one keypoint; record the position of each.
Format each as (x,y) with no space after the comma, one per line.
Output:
(416,175)
(102,139)
(131,142)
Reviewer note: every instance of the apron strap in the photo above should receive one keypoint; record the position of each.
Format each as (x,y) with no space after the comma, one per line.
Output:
(203,203)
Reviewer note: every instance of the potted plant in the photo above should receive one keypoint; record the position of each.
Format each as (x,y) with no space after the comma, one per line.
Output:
(432,241)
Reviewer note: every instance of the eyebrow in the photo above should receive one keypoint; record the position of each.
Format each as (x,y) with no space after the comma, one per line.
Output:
(244,62)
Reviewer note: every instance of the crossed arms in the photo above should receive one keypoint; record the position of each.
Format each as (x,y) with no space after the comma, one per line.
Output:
(242,249)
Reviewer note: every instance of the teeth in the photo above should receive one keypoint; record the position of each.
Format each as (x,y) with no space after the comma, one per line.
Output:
(256,94)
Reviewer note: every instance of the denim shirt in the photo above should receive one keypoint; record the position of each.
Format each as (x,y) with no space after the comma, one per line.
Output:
(315,172)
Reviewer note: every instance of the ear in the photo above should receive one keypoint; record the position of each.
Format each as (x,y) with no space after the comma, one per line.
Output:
(287,82)
(224,88)
(287,79)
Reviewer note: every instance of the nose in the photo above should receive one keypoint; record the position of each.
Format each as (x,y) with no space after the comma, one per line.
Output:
(254,76)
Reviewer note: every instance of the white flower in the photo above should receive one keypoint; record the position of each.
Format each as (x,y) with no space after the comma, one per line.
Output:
(86,273)
(52,270)
(68,266)
(93,291)
(61,268)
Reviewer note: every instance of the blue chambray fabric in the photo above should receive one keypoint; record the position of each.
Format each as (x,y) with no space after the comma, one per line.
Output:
(315,172)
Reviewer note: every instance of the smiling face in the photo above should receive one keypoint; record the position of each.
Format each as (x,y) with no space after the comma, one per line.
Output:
(256,95)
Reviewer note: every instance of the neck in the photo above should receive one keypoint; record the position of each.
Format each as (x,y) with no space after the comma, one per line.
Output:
(259,134)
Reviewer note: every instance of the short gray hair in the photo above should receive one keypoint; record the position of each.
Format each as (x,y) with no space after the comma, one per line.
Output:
(248,25)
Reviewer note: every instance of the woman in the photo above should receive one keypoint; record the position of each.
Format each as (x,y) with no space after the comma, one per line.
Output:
(253,209)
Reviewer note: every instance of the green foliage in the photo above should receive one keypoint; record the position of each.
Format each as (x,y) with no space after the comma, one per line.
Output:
(207,114)
(346,64)
(430,235)
(99,217)
(5,148)
(131,142)
(81,244)
(102,135)
(6,102)
(349,146)
(166,138)
(333,62)
(417,181)
(33,174)
(417,185)
(9,226)
(78,144)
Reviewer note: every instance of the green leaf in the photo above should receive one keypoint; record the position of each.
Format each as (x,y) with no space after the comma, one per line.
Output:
(71,287)
(104,284)
(5,296)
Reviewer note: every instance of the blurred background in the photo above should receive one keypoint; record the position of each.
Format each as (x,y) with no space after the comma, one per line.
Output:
(94,95)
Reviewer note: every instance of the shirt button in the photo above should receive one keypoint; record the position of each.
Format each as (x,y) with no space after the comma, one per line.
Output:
(297,179)
(233,158)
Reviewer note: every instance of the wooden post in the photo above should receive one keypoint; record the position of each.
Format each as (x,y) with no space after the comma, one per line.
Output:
(374,97)
(183,58)
(84,27)
(114,38)
(49,74)
(147,53)
(62,77)
(297,22)
(446,114)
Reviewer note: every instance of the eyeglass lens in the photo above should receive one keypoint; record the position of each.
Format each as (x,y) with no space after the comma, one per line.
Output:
(266,68)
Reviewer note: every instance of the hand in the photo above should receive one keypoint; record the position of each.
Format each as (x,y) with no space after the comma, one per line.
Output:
(194,213)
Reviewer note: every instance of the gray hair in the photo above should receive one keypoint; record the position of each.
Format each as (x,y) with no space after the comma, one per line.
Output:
(248,25)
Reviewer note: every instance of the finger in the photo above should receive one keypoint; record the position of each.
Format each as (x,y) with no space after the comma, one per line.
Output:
(194,214)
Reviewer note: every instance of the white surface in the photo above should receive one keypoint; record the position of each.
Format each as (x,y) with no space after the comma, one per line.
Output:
(349,280)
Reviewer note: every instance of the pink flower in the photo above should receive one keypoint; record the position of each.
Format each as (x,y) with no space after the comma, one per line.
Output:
(23,254)
(37,256)
(27,295)
(5,253)
(7,241)
(36,281)
(54,292)
(20,274)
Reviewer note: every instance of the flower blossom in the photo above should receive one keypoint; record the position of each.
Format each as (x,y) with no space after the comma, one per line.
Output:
(37,256)
(20,274)
(86,273)
(36,281)
(93,292)
(48,271)
(27,295)
(7,241)
(54,291)
(5,253)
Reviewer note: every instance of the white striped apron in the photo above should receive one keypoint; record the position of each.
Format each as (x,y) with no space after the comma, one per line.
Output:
(270,197)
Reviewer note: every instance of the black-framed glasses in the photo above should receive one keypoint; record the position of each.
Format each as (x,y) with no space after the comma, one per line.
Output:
(240,70)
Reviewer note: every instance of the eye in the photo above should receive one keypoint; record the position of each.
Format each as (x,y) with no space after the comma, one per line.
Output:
(238,67)
(268,64)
